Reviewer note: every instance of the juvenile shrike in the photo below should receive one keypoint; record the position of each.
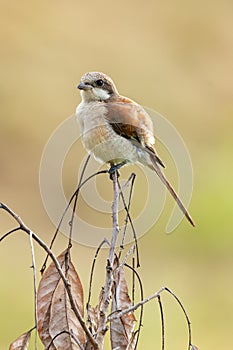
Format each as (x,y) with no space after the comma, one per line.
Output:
(117,130)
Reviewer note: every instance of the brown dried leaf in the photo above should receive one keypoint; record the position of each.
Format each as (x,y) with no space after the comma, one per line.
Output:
(93,319)
(122,335)
(48,285)
(93,314)
(21,343)
(62,317)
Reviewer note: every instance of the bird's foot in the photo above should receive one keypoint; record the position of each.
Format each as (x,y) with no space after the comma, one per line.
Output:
(115,168)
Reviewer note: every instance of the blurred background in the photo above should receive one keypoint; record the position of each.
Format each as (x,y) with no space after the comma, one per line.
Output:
(172,56)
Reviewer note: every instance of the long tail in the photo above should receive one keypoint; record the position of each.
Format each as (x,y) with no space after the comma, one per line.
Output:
(170,189)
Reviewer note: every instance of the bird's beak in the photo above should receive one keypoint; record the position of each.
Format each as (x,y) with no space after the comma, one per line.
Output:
(84,86)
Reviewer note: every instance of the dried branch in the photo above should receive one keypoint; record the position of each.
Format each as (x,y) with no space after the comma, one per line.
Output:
(133,281)
(153,296)
(136,306)
(71,334)
(162,321)
(115,222)
(73,197)
(34,283)
(102,328)
(98,317)
(121,329)
(186,316)
(105,241)
(135,273)
(24,228)
(128,253)
(76,197)
(128,217)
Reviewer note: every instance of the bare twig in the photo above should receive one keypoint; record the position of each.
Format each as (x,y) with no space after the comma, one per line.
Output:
(102,328)
(24,228)
(128,253)
(153,296)
(34,283)
(74,196)
(71,333)
(135,273)
(131,180)
(128,217)
(115,223)
(162,321)
(133,280)
(76,339)
(186,316)
(9,232)
(136,306)
(105,241)
(103,307)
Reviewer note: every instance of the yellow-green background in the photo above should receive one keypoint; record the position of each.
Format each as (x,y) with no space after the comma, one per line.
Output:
(173,56)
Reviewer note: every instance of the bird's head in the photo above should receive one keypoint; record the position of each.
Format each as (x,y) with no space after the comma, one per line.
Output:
(96,86)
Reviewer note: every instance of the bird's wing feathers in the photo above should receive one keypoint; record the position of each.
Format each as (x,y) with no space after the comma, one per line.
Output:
(131,121)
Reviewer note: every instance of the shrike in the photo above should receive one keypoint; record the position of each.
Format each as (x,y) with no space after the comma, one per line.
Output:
(117,130)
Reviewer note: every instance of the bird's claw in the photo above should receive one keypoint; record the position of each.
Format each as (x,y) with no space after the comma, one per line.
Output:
(114,168)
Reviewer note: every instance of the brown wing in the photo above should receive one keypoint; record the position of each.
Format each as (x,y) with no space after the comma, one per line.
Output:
(131,121)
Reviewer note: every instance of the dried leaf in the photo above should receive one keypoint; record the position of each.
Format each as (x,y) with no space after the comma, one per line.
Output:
(21,343)
(93,319)
(50,282)
(62,317)
(122,335)
(93,314)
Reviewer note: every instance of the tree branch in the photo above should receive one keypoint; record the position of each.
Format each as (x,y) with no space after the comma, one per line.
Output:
(136,306)
(102,328)
(24,228)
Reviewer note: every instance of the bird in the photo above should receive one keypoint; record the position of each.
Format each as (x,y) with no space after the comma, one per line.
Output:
(117,130)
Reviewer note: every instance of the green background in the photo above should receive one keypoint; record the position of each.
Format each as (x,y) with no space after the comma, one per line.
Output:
(172,56)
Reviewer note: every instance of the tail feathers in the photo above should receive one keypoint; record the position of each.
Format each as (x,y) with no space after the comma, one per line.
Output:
(170,189)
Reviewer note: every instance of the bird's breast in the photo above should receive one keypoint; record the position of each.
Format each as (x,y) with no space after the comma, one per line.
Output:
(100,139)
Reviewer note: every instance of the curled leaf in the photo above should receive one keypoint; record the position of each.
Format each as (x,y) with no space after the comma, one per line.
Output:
(54,313)
(63,322)
(21,343)
(93,319)
(48,284)
(122,335)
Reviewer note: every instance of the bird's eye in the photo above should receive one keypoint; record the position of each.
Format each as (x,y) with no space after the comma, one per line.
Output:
(99,82)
